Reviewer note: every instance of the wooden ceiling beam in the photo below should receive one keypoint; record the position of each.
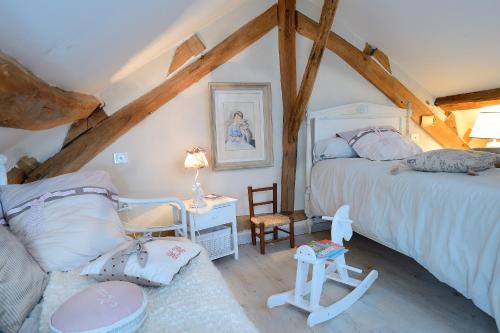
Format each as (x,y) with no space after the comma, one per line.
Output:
(380,56)
(29,103)
(80,127)
(320,39)
(288,74)
(383,81)
(186,50)
(87,146)
(469,101)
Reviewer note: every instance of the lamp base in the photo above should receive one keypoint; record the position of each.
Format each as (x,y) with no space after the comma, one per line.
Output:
(198,198)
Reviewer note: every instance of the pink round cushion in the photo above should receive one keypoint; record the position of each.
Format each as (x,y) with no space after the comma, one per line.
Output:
(104,307)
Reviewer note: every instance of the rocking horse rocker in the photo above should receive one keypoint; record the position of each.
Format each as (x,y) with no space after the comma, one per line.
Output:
(322,269)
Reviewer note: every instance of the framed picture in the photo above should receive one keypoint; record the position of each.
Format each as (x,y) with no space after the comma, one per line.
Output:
(241,125)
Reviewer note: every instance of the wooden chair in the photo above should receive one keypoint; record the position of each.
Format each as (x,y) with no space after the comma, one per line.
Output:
(273,220)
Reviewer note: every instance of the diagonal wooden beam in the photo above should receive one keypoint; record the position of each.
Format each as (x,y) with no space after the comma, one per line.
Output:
(320,39)
(468,101)
(288,74)
(382,80)
(29,103)
(87,146)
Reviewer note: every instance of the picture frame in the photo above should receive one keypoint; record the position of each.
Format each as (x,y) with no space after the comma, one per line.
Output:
(241,125)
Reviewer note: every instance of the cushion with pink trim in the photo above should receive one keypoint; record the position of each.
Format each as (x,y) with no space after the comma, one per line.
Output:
(114,306)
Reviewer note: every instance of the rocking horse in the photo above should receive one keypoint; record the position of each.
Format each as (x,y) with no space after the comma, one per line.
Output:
(323,269)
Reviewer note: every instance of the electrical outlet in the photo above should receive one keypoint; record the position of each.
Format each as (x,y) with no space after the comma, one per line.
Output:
(415,137)
(120,158)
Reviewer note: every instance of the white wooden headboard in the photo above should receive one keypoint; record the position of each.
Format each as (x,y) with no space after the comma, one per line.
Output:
(3,170)
(326,123)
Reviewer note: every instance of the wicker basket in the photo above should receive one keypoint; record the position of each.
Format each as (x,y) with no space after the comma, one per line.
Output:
(217,241)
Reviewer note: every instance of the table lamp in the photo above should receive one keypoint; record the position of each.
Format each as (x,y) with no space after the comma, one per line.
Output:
(487,126)
(196,159)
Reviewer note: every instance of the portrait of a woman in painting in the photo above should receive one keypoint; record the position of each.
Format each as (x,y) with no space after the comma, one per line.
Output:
(239,135)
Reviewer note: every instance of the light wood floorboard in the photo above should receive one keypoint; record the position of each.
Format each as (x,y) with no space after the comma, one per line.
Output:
(405,297)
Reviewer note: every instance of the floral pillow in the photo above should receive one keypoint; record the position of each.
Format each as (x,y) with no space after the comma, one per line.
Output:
(144,261)
(380,143)
(451,160)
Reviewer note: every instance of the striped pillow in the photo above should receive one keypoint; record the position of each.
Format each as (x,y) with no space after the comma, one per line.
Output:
(22,282)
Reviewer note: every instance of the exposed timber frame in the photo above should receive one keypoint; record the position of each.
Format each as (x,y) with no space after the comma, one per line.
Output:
(29,103)
(87,146)
(469,101)
(186,50)
(93,139)
(288,73)
(380,56)
(383,81)
(296,107)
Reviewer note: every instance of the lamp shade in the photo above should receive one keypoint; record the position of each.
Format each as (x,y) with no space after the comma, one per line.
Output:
(196,159)
(487,126)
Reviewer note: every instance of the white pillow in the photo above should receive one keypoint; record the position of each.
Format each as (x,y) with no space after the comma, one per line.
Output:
(332,148)
(66,221)
(380,143)
(164,259)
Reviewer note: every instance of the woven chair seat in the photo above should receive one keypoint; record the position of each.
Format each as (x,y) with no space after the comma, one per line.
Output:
(271,220)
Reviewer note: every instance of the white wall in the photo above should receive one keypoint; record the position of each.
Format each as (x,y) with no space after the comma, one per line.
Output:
(157,146)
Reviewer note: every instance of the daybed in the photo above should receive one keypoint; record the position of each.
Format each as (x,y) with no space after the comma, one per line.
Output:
(196,300)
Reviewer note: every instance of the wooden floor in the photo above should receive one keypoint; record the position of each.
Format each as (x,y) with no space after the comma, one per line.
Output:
(405,297)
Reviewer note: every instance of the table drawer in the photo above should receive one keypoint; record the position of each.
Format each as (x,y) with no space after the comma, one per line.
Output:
(217,216)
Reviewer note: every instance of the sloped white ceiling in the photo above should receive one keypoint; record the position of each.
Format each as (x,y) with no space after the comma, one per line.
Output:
(447,46)
(84,44)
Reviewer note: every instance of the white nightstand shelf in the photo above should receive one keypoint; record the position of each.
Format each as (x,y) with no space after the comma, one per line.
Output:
(217,212)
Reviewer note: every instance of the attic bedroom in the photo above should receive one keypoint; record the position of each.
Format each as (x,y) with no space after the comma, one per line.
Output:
(249,166)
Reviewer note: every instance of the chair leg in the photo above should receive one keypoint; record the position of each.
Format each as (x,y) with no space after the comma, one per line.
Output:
(275,233)
(262,239)
(292,234)
(254,236)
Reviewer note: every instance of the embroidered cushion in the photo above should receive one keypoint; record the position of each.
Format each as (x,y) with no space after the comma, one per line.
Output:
(22,282)
(332,148)
(452,160)
(143,261)
(104,307)
(66,221)
(380,143)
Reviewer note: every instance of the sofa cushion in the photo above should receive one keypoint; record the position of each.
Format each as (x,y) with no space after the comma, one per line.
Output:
(143,261)
(22,282)
(65,221)
(104,307)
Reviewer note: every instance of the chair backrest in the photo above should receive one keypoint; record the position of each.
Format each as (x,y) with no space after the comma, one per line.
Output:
(252,204)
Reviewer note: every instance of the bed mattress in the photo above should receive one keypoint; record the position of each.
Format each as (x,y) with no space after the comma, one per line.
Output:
(449,223)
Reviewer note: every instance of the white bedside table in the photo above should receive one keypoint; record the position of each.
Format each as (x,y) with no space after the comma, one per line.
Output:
(220,211)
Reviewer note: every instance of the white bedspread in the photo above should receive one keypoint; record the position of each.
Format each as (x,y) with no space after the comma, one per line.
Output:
(197,300)
(449,223)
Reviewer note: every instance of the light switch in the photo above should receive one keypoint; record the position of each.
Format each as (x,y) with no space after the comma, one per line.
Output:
(120,158)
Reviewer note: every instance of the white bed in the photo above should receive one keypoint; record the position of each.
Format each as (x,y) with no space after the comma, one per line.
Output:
(449,223)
